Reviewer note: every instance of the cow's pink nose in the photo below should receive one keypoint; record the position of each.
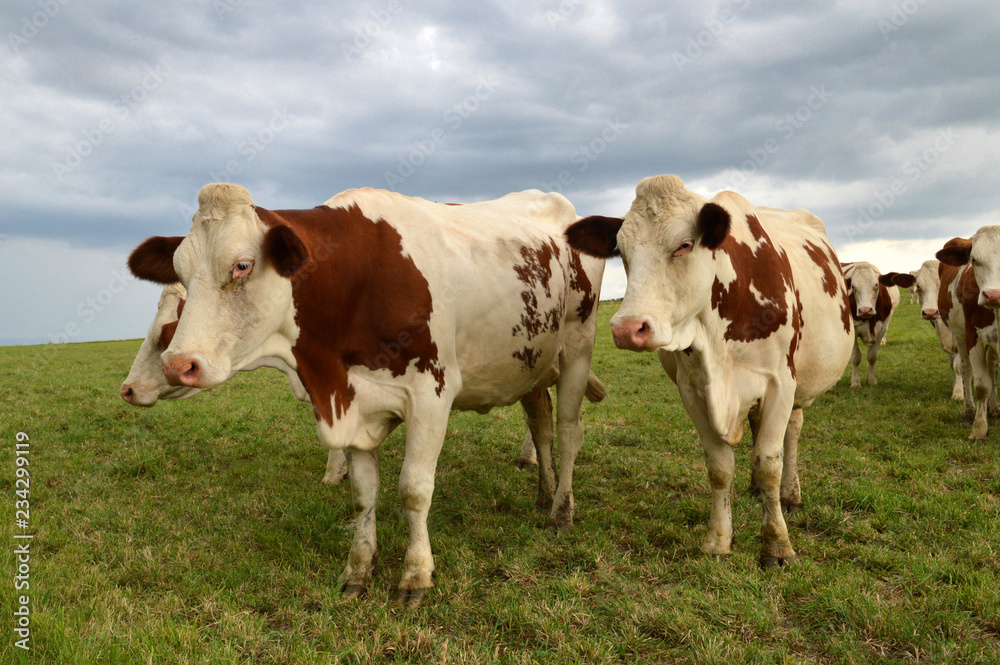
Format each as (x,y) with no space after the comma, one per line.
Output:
(991,298)
(929,314)
(632,334)
(865,312)
(182,372)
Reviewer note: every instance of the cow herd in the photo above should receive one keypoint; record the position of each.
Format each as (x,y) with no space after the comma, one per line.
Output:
(382,308)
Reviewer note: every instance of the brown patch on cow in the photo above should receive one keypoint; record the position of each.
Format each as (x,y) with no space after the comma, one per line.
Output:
(536,274)
(977,317)
(819,256)
(168,329)
(352,310)
(947,274)
(768,272)
(579,282)
(797,334)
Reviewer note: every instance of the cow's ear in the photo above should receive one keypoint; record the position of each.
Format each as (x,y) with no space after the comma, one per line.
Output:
(153,260)
(713,223)
(596,236)
(904,280)
(955,252)
(284,250)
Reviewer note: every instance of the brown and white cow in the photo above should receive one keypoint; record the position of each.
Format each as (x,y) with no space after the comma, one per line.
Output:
(927,286)
(874,298)
(969,305)
(392,309)
(146,383)
(747,310)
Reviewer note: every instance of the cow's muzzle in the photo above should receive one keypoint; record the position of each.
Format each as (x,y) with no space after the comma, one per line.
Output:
(930,314)
(182,372)
(633,334)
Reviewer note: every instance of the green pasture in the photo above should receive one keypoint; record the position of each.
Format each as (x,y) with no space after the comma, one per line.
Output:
(198,531)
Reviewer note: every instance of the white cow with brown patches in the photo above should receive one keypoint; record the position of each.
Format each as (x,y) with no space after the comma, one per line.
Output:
(748,312)
(391,308)
(874,299)
(927,286)
(969,305)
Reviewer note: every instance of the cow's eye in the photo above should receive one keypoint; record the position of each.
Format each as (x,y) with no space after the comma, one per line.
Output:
(683,248)
(242,268)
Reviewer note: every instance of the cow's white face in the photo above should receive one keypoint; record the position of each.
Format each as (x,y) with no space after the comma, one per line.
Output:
(863,285)
(146,382)
(238,308)
(985,258)
(670,273)
(928,284)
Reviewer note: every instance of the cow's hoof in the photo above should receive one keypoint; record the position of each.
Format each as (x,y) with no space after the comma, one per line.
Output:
(789,507)
(353,590)
(523,463)
(776,561)
(411,599)
(559,528)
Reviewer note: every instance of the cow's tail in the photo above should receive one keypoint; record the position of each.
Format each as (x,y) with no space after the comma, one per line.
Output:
(595,389)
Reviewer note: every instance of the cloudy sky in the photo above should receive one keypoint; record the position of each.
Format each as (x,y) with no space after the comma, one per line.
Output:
(879,116)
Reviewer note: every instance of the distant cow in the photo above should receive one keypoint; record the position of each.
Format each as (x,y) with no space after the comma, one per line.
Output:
(391,308)
(874,298)
(969,306)
(146,383)
(747,309)
(928,288)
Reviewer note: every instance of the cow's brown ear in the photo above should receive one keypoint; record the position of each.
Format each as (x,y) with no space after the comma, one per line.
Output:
(153,260)
(284,250)
(904,280)
(713,222)
(596,236)
(955,252)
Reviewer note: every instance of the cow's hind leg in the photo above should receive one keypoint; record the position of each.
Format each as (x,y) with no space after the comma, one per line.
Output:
(571,387)
(537,406)
(982,387)
(957,390)
(336,467)
(856,366)
(791,493)
(425,432)
(872,359)
(768,462)
(753,417)
(364,491)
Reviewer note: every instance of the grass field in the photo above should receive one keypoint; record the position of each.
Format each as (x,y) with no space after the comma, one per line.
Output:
(198,531)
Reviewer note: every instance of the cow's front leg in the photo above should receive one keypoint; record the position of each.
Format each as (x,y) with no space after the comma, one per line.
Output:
(424,437)
(364,491)
(537,406)
(982,385)
(721,462)
(965,362)
(957,390)
(872,359)
(767,461)
(856,365)
(571,387)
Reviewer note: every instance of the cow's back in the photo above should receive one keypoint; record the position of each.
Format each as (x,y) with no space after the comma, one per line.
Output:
(826,327)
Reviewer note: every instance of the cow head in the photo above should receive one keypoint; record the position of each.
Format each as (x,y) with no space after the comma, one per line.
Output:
(928,283)
(235,270)
(146,383)
(863,283)
(982,250)
(666,242)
